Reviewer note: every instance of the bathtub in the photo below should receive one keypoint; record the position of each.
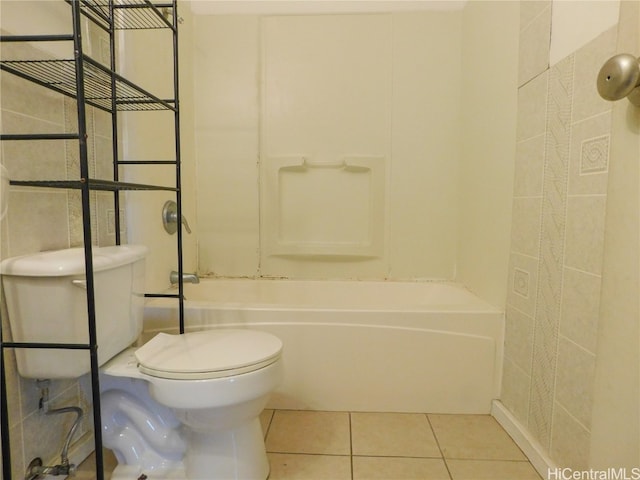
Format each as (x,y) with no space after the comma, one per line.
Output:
(359,345)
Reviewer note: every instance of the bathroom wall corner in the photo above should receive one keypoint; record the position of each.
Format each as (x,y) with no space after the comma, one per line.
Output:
(488,144)
(615,439)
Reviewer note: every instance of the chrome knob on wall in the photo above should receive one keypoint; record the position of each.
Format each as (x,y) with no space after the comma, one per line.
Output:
(619,77)
(170,218)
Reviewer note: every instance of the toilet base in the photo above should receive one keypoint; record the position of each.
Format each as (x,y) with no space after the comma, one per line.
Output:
(236,453)
(232,454)
(129,472)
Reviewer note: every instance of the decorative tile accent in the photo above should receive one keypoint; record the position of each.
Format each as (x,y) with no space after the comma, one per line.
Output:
(551,249)
(521,282)
(529,265)
(590,144)
(111,227)
(594,156)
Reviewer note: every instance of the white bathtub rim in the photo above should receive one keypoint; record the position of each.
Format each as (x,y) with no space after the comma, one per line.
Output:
(198,304)
(196,328)
(471,303)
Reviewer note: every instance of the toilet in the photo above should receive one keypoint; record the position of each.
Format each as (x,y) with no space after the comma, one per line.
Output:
(179,407)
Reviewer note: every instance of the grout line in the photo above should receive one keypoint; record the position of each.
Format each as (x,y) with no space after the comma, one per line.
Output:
(501,460)
(568,412)
(591,274)
(584,349)
(339,455)
(350,445)
(543,12)
(591,117)
(398,456)
(273,413)
(535,136)
(588,195)
(527,197)
(526,255)
(446,465)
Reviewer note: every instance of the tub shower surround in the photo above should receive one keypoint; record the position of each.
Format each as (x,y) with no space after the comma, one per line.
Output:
(557,246)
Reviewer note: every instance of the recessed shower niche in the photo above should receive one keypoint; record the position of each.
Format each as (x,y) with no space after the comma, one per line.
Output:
(328,209)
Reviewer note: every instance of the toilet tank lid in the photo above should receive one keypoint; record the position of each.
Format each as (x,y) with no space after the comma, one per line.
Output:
(70,261)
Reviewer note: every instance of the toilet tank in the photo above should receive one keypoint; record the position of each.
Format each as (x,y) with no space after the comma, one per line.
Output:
(46,300)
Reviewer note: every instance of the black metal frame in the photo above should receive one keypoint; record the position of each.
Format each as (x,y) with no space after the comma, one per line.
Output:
(90,83)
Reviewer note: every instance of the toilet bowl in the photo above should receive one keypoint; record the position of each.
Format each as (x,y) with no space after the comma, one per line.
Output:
(179,407)
(203,392)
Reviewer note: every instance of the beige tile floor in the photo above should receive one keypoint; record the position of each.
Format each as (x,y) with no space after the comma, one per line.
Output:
(310,445)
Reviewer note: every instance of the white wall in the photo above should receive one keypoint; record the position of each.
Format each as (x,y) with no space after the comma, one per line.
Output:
(487,135)
(394,108)
(318,7)
(427,95)
(615,440)
(226,53)
(150,136)
(575,23)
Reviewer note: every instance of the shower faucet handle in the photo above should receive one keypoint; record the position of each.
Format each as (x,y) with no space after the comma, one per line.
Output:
(186,224)
(170,218)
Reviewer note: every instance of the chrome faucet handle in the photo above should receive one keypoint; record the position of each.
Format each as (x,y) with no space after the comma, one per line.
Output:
(170,218)
(186,224)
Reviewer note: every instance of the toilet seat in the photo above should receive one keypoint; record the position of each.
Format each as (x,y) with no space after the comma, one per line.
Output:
(208,354)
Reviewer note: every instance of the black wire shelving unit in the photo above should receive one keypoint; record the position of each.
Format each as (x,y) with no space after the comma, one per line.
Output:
(91,83)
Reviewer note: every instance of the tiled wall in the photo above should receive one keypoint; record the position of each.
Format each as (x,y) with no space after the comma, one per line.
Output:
(47,219)
(557,239)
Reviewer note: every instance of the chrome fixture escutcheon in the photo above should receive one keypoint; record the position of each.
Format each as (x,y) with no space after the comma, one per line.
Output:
(170,218)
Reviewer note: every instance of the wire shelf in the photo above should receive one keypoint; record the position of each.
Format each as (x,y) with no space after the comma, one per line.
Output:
(59,75)
(104,89)
(94,184)
(129,14)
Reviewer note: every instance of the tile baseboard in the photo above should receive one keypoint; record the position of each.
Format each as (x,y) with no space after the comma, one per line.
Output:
(529,446)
